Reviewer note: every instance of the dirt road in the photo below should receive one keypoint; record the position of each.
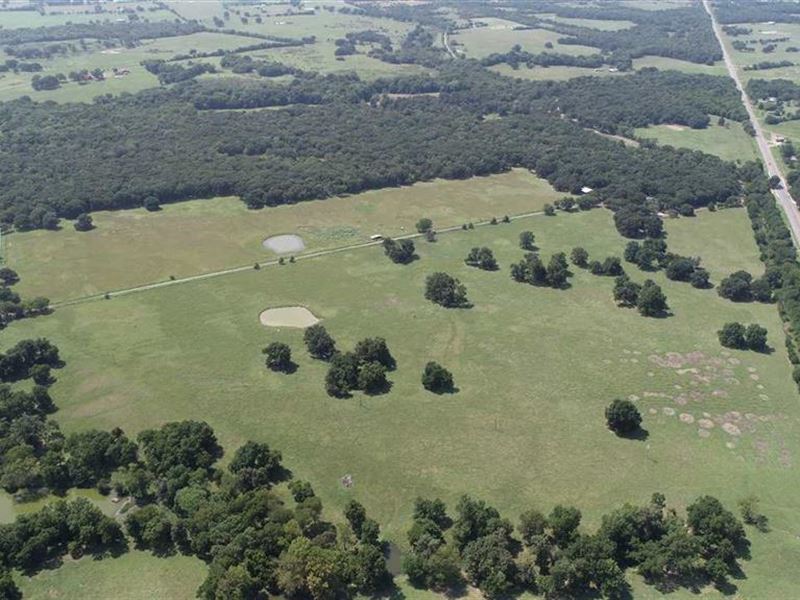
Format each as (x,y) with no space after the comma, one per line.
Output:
(782,195)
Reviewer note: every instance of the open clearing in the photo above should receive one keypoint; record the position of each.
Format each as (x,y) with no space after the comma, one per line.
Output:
(288,316)
(135,575)
(558,73)
(500,36)
(135,247)
(193,351)
(729,141)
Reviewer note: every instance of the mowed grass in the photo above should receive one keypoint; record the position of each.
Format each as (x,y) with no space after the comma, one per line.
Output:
(776,30)
(729,141)
(135,575)
(535,369)
(134,247)
(499,36)
(673,64)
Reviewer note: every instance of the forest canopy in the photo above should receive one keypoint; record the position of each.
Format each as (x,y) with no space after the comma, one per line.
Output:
(116,152)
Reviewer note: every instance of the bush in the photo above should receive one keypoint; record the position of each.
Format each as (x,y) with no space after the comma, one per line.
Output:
(437,379)
(732,335)
(279,357)
(319,343)
(623,417)
(579,257)
(424,225)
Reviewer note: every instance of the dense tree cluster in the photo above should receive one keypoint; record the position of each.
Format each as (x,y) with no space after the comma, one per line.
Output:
(557,560)
(127,33)
(348,145)
(13,307)
(363,369)
(736,335)
(532,270)
(400,252)
(445,290)
(75,527)
(240,64)
(741,287)
(744,11)
(482,258)
(652,254)
(610,267)
(174,72)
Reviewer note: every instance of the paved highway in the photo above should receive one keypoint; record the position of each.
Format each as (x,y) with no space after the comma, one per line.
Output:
(782,195)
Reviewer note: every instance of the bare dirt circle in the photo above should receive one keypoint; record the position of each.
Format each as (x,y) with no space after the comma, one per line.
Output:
(288,316)
(284,244)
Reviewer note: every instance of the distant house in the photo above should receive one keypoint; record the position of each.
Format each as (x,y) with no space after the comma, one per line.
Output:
(586,190)
(376,236)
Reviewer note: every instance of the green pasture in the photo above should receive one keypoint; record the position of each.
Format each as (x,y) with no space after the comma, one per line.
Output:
(14,85)
(499,36)
(135,575)
(135,247)
(535,368)
(729,141)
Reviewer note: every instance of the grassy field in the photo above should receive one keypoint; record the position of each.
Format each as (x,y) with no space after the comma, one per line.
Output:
(664,64)
(764,31)
(729,141)
(134,247)
(535,368)
(14,85)
(601,24)
(53,15)
(500,36)
(326,26)
(135,575)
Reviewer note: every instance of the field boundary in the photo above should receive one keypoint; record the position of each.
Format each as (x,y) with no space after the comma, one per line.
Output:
(268,263)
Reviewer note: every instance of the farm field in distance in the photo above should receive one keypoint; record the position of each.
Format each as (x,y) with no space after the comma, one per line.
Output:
(189,238)
(729,141)
(490,435)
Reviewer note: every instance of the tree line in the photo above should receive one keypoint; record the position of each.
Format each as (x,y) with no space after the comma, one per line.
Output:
(551,556)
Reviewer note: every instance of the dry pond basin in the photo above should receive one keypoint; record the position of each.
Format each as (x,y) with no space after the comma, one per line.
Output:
(288,316)
(284,244)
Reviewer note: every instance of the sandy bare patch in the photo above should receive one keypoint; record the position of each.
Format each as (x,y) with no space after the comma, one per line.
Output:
(669,411)
(676,127)
(751,369)
(703,433)
(754,377)
(653,411)
(763,397)
(288,316)
(686,418)
(706,424)
(283,244)
(734,361)
(719,394)
(633,397)
(731,429)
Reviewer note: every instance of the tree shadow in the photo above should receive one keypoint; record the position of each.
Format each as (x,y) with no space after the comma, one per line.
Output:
(286,369)
(380,390)
(640,434)
(445,391)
